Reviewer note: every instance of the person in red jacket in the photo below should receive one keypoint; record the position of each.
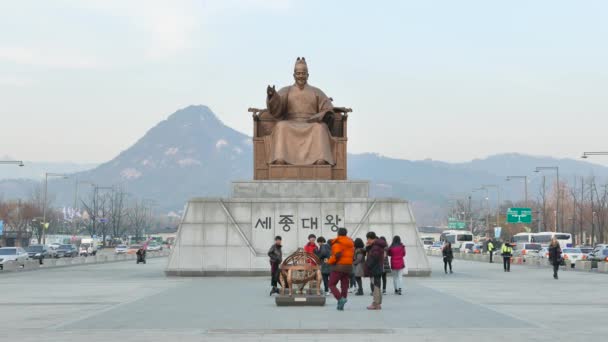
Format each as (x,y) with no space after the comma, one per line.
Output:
(311,246)
(397,253)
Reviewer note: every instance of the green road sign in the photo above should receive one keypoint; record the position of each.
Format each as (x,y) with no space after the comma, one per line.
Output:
(455,224)
(519,215)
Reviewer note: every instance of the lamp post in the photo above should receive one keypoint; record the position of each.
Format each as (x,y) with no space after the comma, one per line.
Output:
(497,199)
(15,162)
(558,192)
(589,154)
(487,208)
(46,185)
(525,178)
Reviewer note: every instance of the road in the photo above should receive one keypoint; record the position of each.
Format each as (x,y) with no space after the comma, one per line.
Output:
(129,302)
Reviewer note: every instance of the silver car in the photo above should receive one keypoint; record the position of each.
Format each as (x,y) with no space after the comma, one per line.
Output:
(527,250)
(573,254)
(13,254)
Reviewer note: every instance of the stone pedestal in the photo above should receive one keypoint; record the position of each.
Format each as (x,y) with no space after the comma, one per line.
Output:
(231,236)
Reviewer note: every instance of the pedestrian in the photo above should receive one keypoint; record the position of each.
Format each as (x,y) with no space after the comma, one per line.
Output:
(358,265)
(386,265)
(341,261)
(507,253)
(448,256)
(276,257)
(323,253)
(555,256)
(311,246)
(491,249)
(374,267)
(397,253)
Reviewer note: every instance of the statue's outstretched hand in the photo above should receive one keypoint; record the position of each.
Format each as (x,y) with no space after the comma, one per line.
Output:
(271,91)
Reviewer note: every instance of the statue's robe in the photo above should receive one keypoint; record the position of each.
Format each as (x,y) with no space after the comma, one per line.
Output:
(294,139)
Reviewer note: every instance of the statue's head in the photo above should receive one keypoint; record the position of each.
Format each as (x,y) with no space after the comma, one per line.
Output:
(300,72)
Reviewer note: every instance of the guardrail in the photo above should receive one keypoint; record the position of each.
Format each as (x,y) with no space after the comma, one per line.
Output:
(33,265)
(579,265)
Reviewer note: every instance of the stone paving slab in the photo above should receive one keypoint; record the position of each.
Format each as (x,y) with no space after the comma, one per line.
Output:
(128,302)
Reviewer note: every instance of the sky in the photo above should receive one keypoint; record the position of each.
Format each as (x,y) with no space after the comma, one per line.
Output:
(82,80)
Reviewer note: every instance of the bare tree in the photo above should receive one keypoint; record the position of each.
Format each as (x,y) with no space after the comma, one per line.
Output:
(138,218)
(117,214)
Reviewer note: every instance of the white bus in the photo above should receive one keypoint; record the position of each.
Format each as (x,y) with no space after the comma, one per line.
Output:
(456,237)
(544,238)
(522,238)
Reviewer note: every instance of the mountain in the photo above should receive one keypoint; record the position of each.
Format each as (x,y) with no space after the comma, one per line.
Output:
(193,154)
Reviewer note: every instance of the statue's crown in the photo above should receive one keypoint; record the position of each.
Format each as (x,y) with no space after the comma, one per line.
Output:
(301,60)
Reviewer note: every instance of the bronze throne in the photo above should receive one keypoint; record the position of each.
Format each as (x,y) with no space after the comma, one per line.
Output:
(263,123)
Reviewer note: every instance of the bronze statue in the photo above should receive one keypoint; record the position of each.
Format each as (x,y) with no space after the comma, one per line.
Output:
(302,269)
(300,137)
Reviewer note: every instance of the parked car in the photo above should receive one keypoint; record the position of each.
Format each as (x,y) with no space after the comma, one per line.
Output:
(52,252)
(467,247)
(598,255)
(13,254)
(133,249)
(526,250)
(39,252)
(586,249)
(477,249)
(154,247)
(436,246)
(427,244)
(121,249)
(573,254)
(544,253)
(67,251)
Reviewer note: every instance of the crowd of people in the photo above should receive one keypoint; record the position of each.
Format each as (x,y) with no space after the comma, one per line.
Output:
(555,256)
(346,262)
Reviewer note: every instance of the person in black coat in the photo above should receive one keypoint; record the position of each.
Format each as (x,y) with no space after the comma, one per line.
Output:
(374,267)
(555,256)
(448,256)
(323,253)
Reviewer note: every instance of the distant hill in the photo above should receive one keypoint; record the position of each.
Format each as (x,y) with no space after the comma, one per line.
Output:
(192,153)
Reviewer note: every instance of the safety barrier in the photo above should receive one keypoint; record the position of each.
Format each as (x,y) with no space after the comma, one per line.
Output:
(579,265)
(31,265)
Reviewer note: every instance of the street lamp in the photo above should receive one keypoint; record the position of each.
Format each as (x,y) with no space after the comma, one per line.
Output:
(487,198)
(525,178)
(556,169)
(15,162)
(497,199)
(589,154)
(46,185)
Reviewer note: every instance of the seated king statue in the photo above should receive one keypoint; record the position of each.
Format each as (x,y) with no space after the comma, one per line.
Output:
(300,137)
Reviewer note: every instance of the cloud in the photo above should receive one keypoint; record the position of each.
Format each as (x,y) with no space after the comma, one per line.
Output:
(12,81)
(168,26)
(55,58)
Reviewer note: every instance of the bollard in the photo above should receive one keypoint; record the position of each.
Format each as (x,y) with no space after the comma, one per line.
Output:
(49,262)
(9,266)
(602,267)
(583,265)
(31,265)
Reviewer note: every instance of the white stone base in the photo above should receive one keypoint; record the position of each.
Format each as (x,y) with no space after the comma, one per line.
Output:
(232,236)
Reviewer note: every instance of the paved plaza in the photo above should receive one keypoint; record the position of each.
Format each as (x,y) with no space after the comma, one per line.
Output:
(129,302)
